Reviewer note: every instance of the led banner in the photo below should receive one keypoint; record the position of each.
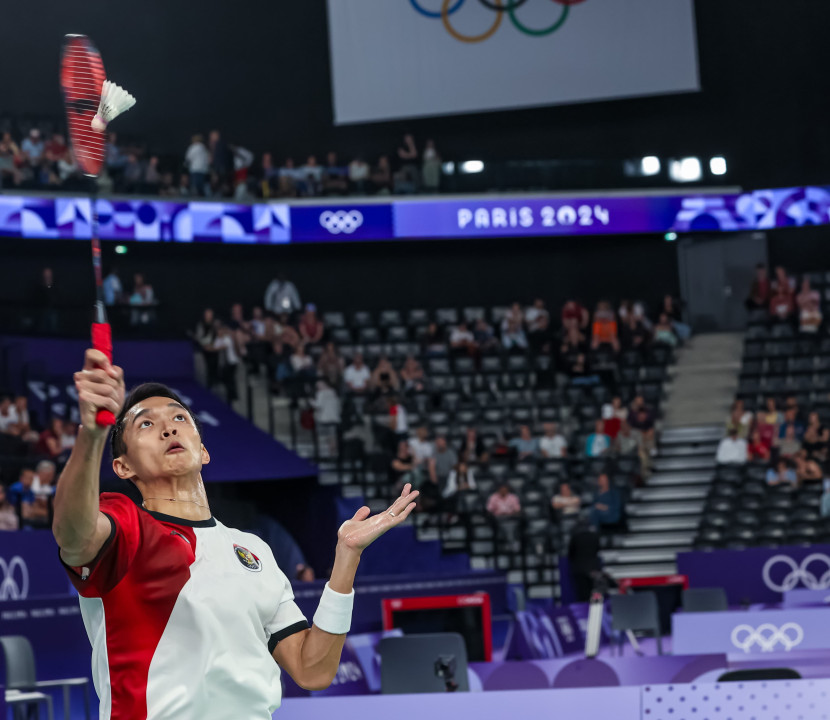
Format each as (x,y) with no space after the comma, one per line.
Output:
(405,219)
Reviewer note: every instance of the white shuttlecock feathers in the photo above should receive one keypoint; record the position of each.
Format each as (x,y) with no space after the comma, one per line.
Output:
(114,101)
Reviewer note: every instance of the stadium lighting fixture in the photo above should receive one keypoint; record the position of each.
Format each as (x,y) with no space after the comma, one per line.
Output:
(120,249)
(650,165)
(717,165)
(686,170)
(470,167)
(448,168)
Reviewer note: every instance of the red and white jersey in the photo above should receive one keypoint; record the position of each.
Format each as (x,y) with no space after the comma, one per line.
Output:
(181,615)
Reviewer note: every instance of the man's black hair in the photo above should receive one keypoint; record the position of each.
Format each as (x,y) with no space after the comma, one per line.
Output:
(138,394)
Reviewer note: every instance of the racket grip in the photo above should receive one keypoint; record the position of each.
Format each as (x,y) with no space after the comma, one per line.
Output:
(102,341)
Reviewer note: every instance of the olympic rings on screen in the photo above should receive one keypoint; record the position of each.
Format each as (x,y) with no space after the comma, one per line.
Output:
(341,221)
(500,7)
(798,573)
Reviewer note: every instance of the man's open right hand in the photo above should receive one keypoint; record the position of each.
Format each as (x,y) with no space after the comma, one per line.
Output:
(100,386)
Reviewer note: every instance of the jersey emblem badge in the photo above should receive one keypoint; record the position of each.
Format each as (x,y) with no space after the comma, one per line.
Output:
(247,558)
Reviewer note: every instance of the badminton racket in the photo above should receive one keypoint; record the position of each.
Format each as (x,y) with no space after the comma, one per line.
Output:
(82,80)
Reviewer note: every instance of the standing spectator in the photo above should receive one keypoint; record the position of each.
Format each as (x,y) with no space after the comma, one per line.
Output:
(311,327)
(205,337)
(461,478)
(537,319)
(422,451)
(281,296)
(641,419)
(8,513)
(816,439)
(359,172)
(504,502)
(330,365)
(610,422)
(431,170)
(626,442)
(565,502)
(382,176)
(46,301)
(607,507)
(112,287)
(552,444)
(472,447)
(335,176)
(407,178)
(782,473)
(739,419)
(228,360)
(597,443)
(604,328)
(443,460)
(757,449)
(412,376)
(327,415)
(221,160)
(197,162)
(732,449)
(809,308)
(781,305)
(357,375)
(760,291)
(526,447)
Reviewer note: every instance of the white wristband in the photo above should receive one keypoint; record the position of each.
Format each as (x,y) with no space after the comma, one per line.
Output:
(334,613)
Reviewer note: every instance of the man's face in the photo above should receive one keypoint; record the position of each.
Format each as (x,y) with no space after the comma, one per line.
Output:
(526,433)
(550,429)
(162,441)
(440,444)
(422,434)
(602,481)
(46,474)
(5,404)
(358,360)
(27,477)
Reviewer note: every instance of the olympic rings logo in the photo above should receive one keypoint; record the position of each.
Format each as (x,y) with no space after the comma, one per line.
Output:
(10,588)
(767,636)
(450,7)
(342,221)
(798,573)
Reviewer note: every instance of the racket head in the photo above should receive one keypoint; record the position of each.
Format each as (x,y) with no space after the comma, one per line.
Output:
(82,77)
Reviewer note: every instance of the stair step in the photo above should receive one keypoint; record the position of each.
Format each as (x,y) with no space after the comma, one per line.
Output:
(663,524)
(645,570)
(628,557)
(654,539)
(684,463)
(695,433)
(659,509)
(654,494)
(680,477)
(707,449)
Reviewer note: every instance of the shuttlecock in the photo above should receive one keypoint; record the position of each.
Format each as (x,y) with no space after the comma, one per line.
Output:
(114,101)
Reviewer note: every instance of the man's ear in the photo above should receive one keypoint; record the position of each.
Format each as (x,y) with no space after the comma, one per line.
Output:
(205,456)
(122,469)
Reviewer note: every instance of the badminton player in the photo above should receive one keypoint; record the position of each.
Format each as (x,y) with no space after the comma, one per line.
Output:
(188,619)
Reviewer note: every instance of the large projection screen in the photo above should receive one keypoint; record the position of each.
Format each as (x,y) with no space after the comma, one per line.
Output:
(395,59)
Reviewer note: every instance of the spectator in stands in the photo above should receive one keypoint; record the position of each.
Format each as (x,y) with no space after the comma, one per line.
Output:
(197,162)
(664,332)
(330,365)
(45,478)
(782,473)
(431,169)
(504,503)
(402,466)
(46,301)
(358,174)
(112,287)
(443,460)
(757,449)
(151,178)
(597,443)
(610,422)
(783,283)
(462,341)
(281,296)
(825,500)
(290,180)
(24,424)
(565,502)
(398,419)
(34,511)
(816,438)
(8,416)
(312,174)
(768,421)
(807,469)
(472,447)
(33,148)
(537,319)
(382,176)
(384,379)
(525,447)
(552,444)
(461,478)
(671,307)
(433,340)
(573,345)
(791,420)
(8,513)
(422,451)
(412,376)
(788,446)
(633,333)
(302,366)
(49,441)
(335,176)
(781,305)
(357,375)
(143,299)
(240,329)
(225,346)
(739,419)
(760,291)
(732,449)
(575,315)
(604,328)
(407,178)
(641,419)
(68,437)
(626,442)
(607,505)
(327,415)
(484,336)
(512,330)
(312,328)
(10,158)
(205,337)
(809,308)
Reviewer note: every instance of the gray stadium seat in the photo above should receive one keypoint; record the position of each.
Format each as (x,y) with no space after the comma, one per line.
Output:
(636,612)
(705,600)
(408,664)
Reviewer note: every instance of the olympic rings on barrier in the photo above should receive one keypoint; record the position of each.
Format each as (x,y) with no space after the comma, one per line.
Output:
(798,573)
(436,15)
(445,18)
(767,636)
(500,7)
